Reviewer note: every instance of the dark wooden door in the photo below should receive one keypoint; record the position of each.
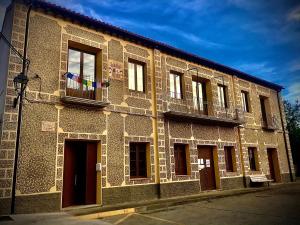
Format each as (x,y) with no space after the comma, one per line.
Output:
(271,164)
(91,174)
(79,184)
(207,171)
(69,176)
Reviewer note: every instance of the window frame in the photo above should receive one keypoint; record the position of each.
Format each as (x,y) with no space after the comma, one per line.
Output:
(176,74)
(181,170)
(82,52)
(135,63)
(138,150)
(224,88)
(245,101)
(203,103)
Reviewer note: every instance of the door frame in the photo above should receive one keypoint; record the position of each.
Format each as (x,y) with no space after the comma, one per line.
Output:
(214,150)
(276,165)
(99,188)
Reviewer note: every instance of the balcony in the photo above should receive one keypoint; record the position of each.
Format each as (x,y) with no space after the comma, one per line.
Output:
(270,123)
(85,96)
(199,110)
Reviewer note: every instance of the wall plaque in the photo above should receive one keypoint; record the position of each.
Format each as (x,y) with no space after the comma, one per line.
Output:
(48,126)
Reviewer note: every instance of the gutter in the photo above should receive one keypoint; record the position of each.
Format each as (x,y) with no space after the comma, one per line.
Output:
(284,137)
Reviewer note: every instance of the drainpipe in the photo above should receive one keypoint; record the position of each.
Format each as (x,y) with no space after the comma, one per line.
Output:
(155,129)
(240,141)
(284,137)
(24,71)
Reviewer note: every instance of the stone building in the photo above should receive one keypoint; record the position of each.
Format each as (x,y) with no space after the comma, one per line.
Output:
(170,123)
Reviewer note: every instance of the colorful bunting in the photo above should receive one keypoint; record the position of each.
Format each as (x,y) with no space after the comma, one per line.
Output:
(88,83)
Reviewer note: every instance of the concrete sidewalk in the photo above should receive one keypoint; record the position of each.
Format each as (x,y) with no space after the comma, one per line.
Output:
(94,212)
(91,214)
(49,219)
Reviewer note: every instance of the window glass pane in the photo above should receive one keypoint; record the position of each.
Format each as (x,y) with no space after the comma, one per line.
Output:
(244,102)
(194,87)
(88,70)
(74,68)
(178,88)
(200,95)
(131,76)
(140,78)
(172,87)
(221,96)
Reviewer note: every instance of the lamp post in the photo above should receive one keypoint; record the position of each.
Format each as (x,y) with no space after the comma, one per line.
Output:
(20,83)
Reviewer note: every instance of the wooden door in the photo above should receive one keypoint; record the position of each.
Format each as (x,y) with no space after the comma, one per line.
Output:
(271,164)
(91,174)
(79,181)
(69,176)
(207,171)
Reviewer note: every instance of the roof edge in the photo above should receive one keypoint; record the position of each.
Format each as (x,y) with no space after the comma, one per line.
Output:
(147,42)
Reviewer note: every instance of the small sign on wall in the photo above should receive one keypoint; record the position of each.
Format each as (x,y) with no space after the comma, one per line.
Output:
(48,126)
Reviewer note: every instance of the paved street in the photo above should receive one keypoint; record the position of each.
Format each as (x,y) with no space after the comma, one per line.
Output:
(280,205)
(277,206)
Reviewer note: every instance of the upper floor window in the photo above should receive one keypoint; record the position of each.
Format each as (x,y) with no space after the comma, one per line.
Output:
(222,96)
(136,79)
(245,101)
(83,66)
(263,110)
(199,96)
(175,86)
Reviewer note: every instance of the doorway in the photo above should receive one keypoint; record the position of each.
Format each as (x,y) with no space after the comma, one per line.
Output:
(80,177)
(273,164)
(206,168)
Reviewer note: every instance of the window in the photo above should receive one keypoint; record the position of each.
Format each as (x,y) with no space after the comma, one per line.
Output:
(180,159)
(199,94)
(263,110)
(175,86)
(222,96)
(252,152)
(83,66)
(138,160)
(245,101)
(136,76)
(229,158)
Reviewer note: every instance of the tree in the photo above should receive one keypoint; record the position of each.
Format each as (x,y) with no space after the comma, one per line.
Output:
(292,112)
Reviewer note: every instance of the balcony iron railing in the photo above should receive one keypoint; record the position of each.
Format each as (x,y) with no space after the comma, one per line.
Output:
(270,122)
(202,108)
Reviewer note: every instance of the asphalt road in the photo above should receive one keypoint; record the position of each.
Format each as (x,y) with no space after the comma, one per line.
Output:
(275,207)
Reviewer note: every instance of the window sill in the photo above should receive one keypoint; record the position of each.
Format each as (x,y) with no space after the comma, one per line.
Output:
(139,178)
(84,102)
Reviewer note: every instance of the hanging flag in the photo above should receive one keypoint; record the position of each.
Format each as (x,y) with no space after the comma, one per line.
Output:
(88,83)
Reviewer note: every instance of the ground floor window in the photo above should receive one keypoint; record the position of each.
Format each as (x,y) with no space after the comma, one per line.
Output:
(252,153)
(229,158)
(180,155)
(138,160)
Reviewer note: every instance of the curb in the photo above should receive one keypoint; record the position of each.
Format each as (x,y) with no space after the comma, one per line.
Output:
(145,207)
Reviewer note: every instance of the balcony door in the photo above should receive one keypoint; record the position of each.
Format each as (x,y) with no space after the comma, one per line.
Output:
(199,96)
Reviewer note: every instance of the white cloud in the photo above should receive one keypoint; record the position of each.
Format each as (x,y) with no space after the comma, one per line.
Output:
(294,14)
(261,68)
(294,65)
(293,92)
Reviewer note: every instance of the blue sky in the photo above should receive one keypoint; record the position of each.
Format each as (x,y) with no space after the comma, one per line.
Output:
(258,37)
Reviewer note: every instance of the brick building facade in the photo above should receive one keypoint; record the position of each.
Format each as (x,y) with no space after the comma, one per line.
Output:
(169,124)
